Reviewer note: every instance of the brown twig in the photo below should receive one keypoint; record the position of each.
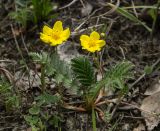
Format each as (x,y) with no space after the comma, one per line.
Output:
(100,113)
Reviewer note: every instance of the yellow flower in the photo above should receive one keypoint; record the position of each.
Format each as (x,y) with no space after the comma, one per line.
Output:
(92,43)
(56,35)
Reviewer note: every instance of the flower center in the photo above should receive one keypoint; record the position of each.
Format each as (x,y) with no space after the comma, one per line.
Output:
(55,35)
(92,44)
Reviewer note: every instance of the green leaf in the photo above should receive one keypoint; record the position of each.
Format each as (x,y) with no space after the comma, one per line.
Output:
(124,90)
(55,120)
(50,70)
(62,72)
(152,13)
(12,102)
(41,9)
(83,71)
(60,66)
(55,67)
(62,79)
(20,16)
(148,69)
(31,120)
(41,58)
(107,116)
(34,128)
(114,78)
(59,78)
(49,99)
(8,96)
(4,87)
(35,110)
(131,17)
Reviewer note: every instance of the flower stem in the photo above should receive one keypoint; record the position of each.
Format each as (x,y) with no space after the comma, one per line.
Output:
(93,120)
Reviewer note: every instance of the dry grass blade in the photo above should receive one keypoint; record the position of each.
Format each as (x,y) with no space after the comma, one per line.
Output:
(131,17)
(67,106)
(114,8)
(7,74)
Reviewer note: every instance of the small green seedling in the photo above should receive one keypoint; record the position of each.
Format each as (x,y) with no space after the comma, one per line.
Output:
(10,98)
(38,117)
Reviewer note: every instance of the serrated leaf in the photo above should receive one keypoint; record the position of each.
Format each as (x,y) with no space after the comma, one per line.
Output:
(49,99)
(115,78)
(35,56)
(50,70)
(62,72)
(59,78)
(41,58)
(117,75)
(83,71)
(60,66)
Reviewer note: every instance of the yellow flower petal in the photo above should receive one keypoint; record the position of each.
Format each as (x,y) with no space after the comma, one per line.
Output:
(45,38)
(101,43)
(95,35)
(65,34)
(84,40)
(47,30)
(93,49)
(58,26)
(56,42)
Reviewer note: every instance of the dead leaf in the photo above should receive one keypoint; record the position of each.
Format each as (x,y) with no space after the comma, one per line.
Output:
(153,89)
(85,11)
(140,127)
(150,109)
